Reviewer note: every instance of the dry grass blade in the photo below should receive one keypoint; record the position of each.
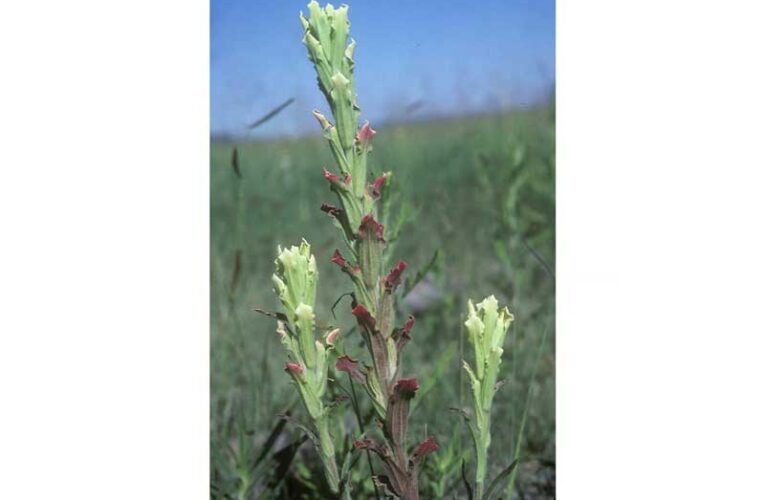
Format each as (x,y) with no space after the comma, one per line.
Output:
(271,314)
(235,163)
(278,109)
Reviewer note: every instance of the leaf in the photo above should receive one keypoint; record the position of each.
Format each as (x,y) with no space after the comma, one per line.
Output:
(466,482)
(236,272)
(270,441)
(345,471)
(309,433)
(384,483)
(272,314)
(539,259)
(283,460)
(494,488)
(346,467)
(470,424)
(526,405)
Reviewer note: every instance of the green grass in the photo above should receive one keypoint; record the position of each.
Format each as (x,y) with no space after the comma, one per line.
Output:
(481,190)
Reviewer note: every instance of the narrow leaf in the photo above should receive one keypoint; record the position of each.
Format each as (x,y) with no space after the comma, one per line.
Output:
(495,487)
(466,482)
(272,437)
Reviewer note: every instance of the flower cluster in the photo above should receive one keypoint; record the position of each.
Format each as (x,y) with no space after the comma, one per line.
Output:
(295,285)
(326,39)
(487,328)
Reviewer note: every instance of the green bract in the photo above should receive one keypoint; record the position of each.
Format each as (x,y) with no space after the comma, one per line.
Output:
(295,278)
(326,37)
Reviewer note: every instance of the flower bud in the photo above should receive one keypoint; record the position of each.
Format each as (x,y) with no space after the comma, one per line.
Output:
(332,336)
(295,277)
(365,134)
(293,368)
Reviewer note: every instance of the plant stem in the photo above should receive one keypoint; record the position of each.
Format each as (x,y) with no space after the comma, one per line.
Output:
(356,410)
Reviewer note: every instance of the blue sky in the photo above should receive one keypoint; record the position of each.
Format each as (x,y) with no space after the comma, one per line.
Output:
(453,56)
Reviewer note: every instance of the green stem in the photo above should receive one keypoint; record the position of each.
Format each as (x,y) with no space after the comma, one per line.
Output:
(355,405)
(328,454)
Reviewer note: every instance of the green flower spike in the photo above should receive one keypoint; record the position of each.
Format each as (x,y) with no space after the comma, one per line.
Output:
(487,328)
(295,285)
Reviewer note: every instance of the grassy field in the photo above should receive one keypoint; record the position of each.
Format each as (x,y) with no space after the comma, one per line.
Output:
(478,194)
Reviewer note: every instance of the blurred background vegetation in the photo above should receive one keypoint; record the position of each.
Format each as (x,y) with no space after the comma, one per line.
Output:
(475,198)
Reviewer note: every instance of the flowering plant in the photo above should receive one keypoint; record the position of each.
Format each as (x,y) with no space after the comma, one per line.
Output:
(375,287)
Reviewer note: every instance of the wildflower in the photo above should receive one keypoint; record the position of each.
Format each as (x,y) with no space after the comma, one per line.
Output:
(365,134)
(487,327)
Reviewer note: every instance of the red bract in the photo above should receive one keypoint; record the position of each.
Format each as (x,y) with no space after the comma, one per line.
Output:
(428,446)
(370,227)
(402,336)
(364,318)
(407,327)
(365,134)
(335,180)
(331,210)
(337,258)
(363,444)
(393,279)
(375,189)
(406,387)
(293,368)
(372,445)
(350,366)
(331,336)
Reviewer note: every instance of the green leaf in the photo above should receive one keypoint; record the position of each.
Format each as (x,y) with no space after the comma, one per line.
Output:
(466,482)
(270,441)
(494,488)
